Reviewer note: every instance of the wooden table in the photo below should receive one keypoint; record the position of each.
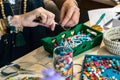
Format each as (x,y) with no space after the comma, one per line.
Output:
(40,56)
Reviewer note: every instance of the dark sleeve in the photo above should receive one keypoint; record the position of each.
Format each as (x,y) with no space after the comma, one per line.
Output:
(59,3)
(38,3)
(33,4)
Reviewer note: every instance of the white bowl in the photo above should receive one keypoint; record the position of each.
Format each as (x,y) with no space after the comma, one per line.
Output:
(110,38)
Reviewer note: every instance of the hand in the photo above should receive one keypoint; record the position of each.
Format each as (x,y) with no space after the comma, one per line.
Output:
(70,13)
(27,19)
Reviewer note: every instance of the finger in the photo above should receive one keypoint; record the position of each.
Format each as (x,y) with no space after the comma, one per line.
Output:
(74,19)
(68,16)
(43,18)
(53,26)
(50,18)
(62,14)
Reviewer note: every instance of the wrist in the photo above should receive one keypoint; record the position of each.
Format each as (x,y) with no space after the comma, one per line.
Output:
(16,20)
(14,24)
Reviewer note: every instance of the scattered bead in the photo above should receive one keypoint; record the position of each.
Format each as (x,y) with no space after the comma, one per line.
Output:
(63,63)
(74,41)
(101,68)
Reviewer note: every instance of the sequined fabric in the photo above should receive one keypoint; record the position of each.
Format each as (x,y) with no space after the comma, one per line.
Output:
(15,6)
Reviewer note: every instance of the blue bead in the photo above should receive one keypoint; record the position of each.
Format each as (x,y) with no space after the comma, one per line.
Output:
(89,34)
(64,62)
(63,69)
(62,53)
(95,59)
(88,69)
(78,33)
(89,59)
(113,60)
(92,57)
(101,67)
(117,62)
(113,65)
(67,66)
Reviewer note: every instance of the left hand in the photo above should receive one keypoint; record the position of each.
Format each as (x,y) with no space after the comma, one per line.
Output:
(70,13)
(27,19)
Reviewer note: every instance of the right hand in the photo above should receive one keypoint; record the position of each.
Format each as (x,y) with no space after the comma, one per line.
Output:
(69,14)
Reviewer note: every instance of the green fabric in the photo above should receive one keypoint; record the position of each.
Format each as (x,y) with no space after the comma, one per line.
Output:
(19,40)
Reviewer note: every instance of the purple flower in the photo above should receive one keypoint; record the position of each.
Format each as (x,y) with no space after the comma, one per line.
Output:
(50,74)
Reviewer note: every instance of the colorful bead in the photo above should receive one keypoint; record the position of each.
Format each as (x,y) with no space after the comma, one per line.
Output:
(75,40)
(86,73)
(63,64)
(100,68)
(88,69)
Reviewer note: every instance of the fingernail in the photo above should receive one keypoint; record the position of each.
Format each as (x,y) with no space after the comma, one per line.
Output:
(53,28)
(62,25)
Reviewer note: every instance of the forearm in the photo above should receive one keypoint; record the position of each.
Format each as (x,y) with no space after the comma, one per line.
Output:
(59,3)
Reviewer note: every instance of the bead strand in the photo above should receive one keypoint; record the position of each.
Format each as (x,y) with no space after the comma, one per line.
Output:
(2,9)
(2,28)
(25,6)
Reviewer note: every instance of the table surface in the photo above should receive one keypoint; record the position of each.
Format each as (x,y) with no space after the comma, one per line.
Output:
(39,57)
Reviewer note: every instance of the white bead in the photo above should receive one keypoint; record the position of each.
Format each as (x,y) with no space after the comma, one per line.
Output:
(90,72)
(12,2)
(113,77)
(102,70)
(96,74)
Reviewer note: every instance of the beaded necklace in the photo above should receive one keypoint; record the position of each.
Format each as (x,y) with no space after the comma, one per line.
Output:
(3,11)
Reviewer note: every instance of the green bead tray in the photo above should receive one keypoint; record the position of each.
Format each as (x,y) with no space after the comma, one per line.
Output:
(49,42)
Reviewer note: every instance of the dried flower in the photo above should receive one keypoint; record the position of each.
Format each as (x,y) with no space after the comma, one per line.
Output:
(50,74)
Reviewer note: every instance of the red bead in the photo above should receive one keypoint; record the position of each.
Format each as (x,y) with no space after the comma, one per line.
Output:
(55,45)
(70,54)
(67,60)
(67,79)
(119,68)
(76,36)
(96,63)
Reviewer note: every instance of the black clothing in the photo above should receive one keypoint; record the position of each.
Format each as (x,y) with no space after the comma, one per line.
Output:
(32,36)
